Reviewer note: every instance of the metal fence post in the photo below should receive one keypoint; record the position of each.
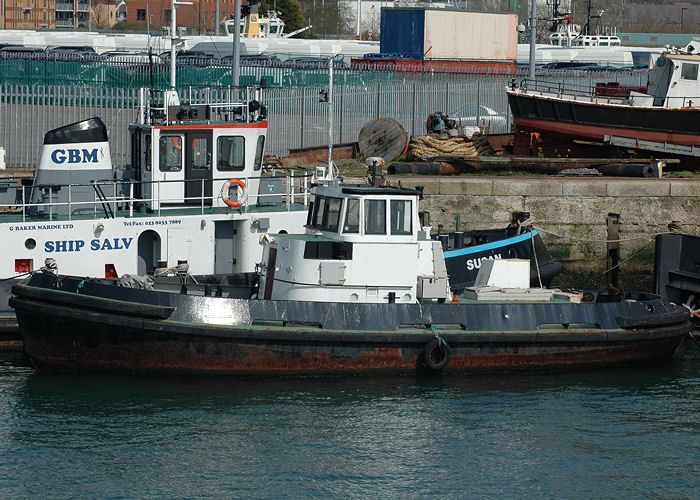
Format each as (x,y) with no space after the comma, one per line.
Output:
(378,98)
(478,101)
(303,106)
(413,110)
(447,97)
(341,114)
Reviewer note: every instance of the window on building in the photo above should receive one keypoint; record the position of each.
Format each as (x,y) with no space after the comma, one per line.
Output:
(168,14)
(231,153)
(140,14)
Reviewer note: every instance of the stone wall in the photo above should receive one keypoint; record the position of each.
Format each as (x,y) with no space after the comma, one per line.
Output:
(575,208)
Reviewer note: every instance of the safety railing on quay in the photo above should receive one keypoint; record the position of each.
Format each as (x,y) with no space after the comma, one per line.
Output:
(121,197)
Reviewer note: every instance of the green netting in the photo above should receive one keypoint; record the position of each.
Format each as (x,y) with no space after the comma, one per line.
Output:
(46,72)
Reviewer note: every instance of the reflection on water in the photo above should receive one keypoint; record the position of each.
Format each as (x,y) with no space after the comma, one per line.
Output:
(631,432)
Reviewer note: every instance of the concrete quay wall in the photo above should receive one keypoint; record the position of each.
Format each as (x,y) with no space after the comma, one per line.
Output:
(575,208)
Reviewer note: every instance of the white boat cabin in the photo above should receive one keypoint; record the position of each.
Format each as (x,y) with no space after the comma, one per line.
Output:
(673,83)
(185,153)
(361,244)
(195,191)
(181,155)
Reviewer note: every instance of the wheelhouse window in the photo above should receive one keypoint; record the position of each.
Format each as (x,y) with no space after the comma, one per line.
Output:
(401,217)
(200,153)
(230,153)
(147,152)
(352,216)
(170,153)
(259,153)
(310,214)
(375,217)
(326,213)
(689,71)
(328,250)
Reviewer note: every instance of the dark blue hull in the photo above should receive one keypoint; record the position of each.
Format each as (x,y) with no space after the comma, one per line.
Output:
(464,253)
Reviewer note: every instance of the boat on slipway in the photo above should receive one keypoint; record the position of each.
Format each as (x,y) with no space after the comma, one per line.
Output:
(662,116)
(363,290)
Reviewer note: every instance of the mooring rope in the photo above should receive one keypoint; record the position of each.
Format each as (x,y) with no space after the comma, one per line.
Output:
(630,257)
(534,254)
(17,276)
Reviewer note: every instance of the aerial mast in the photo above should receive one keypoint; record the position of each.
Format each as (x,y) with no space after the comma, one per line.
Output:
(173,40)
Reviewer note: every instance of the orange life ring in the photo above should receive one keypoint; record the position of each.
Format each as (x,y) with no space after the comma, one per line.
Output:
(242,193)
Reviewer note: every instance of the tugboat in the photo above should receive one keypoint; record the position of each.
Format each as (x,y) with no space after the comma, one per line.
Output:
(364,290)
(194,193)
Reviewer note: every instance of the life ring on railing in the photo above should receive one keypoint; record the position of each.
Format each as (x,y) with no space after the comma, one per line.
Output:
(242,193)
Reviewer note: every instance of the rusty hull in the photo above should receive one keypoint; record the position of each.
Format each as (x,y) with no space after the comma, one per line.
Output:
(72,339)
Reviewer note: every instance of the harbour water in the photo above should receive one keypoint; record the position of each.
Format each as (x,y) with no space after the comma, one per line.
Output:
(619,433)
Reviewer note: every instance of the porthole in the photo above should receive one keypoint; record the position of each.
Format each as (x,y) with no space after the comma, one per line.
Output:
(30,244)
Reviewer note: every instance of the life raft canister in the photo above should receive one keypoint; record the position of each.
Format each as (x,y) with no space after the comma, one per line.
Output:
(242,193)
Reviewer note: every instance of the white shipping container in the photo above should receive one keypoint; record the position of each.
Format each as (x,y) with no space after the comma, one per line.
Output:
(451,34)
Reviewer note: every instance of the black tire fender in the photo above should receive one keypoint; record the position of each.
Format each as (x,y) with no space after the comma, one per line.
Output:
(436,354)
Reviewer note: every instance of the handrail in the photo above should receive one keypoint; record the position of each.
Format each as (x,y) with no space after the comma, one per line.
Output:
(155,100)
(111,202)
(590,92)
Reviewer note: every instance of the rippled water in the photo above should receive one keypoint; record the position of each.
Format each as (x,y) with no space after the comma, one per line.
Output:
(613,433)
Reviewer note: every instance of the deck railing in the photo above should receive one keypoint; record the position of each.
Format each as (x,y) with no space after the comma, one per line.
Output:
(119,197)
(600,93)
